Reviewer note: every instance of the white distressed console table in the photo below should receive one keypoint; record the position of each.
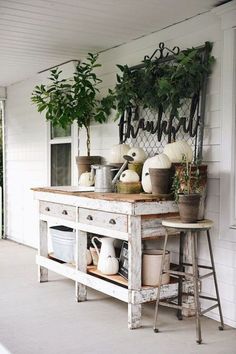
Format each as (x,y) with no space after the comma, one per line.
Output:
(130,217)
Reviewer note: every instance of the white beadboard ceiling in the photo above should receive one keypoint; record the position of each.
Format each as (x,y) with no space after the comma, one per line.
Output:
(38,34)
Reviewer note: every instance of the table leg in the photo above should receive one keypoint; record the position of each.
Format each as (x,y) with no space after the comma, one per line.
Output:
(134,269)
(81,264)
(156,330)
(43,250)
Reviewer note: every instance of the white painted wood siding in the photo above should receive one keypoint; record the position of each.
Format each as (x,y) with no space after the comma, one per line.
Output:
(26,158)
(27,143)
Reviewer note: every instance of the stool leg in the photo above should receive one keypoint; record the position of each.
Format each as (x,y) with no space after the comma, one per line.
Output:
(195,284)
(221,327)
(160,281)
(181,269)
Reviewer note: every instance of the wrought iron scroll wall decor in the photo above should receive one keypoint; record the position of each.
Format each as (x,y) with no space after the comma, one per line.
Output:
(152,130)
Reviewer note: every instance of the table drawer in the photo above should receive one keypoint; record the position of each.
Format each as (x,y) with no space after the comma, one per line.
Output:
(103,219)
(62,211)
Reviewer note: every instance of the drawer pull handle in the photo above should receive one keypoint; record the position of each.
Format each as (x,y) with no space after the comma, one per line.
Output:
(89,217)
(65,212)
(47,209)
(112,221)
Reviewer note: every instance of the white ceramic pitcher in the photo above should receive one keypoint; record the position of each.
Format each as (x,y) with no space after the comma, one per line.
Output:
(107,249)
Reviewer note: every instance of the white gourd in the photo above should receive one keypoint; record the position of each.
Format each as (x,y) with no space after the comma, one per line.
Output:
(146,183)
(138,154)
(110,266)
(86,179)
(157,161)
(176,151)
(129,176)
(117,153)
(88,257)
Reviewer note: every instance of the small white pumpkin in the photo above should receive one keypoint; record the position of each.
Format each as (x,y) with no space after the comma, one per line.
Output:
(117,153)
(138,154)
(88,257)
(86,179)
(110,266)
(146,183)
(176,151)
(129,176)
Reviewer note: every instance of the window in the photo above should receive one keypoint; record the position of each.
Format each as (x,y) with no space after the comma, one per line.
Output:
(60,156)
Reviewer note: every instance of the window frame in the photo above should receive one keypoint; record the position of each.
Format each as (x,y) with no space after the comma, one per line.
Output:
(73,141)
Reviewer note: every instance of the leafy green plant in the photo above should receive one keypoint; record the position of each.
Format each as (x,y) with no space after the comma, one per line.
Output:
(69,100)
(162,85)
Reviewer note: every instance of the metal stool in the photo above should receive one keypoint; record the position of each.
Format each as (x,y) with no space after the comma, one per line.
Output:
(193,230)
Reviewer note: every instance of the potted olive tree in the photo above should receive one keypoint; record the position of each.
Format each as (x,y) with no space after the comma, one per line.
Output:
(76,99)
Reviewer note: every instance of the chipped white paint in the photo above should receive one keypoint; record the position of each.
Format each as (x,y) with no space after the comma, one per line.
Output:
(62,211)
(134,269)
(81,263)
(103,219)
(114,224)
(43,250)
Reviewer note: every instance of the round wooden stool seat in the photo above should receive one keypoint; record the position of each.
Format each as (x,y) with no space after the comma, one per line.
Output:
(178,224)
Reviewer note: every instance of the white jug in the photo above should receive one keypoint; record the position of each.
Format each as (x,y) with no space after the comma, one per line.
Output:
(107,249)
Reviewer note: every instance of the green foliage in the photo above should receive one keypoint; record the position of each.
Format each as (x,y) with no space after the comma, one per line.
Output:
(162,85)
(66,101)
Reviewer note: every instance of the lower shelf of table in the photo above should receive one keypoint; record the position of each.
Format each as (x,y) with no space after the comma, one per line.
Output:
(111,287)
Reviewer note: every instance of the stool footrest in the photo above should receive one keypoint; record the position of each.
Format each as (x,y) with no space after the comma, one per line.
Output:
(176,272)
(206,275)
(209,309)
(199,266)
(208,298)
(170,304)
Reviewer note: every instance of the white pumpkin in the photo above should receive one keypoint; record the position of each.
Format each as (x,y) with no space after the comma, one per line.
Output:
(110,266)
(138,154)
(157,161)
(88,257)
(146,183)
(86,179)
(176,151)
(117,153)
(129,176)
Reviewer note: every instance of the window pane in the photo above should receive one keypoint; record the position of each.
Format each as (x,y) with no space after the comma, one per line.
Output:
(58,132)
(61,164)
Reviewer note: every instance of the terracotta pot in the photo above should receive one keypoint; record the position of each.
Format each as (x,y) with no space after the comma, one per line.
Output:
(151,266)
(84,163)
(160,180)
(189,207)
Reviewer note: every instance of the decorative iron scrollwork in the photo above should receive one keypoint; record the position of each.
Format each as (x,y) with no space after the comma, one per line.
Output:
(162,52)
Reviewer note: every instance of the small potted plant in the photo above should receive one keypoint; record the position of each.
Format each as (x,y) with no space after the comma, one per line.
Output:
(76,99)
(187,188)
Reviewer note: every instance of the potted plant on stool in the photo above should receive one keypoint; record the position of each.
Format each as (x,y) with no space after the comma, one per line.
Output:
(69,100)
(187,189)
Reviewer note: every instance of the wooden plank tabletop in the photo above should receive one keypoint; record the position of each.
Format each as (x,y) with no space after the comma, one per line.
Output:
(131,198)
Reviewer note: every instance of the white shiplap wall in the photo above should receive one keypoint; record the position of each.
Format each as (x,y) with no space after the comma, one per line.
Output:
(26,139)
(27,146)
